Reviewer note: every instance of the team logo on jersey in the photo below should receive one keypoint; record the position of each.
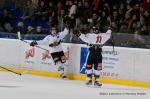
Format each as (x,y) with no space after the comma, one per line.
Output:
(46,55)
(30,53)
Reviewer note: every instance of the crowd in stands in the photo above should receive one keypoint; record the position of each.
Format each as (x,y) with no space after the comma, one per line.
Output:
(36,16)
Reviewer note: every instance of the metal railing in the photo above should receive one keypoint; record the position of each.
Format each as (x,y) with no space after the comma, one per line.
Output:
(121,39)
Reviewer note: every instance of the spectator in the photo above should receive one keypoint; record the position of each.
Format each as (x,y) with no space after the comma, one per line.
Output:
(59,8)
(51,9)
(39,30)
(103,22)
(147,15)
(142,10)
(123,28)
(80,9)
(115,16)
(95,19)
(136,9)
(87,10)
(125,24)
(126,16)
(107,9)
(121,14)
(142,21)
(137,40)
(79,14)
(8,28)
(71,37)
(30,30)
(29,9)
(5,18)
(60,12)
(73,9)
(41,12)
(21,28)
(114,26)
(132,23)
(66,7)
(146,4)
(19,3)
(144,30)
(147,18)
(129,8)
(95,5)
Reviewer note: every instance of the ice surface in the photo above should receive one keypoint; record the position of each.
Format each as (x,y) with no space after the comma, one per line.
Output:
(35,87)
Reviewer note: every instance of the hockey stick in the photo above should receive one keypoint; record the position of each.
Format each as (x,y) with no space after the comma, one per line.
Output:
(19,37)
(10,70)
(113,43)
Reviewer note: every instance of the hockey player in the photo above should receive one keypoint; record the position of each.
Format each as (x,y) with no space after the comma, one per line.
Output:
(95,41)
(54,42)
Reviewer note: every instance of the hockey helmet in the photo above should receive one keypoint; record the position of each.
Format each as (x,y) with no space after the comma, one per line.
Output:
(95,30)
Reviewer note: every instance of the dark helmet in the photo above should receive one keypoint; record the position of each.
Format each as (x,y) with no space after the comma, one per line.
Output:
(95,30)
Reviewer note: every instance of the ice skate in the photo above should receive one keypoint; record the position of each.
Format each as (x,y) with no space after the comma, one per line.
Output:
(97,84)
(89,83)
(63,76)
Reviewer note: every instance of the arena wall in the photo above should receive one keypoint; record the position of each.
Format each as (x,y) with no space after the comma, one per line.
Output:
(126,66)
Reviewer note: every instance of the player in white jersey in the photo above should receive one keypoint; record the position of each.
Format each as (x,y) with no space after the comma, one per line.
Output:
(54,42)
(95,40)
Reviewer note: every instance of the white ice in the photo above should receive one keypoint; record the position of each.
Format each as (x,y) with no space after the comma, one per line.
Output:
(35,87)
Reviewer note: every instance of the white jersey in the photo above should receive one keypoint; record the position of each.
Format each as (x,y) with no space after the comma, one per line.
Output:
(96,39)
(50,39)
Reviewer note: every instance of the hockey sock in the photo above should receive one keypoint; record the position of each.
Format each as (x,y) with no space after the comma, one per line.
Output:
(89,74)
(97,75)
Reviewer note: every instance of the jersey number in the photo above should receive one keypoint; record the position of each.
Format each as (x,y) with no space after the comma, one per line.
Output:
(98,39)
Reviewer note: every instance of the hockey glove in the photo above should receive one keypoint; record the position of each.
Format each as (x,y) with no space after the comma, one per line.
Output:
(33,43)
(76,32)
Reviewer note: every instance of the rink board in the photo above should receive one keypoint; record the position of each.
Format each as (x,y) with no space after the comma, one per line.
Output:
(126,66)
(83,77)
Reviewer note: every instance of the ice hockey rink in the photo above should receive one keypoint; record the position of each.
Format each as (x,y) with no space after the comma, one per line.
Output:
(36,87)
